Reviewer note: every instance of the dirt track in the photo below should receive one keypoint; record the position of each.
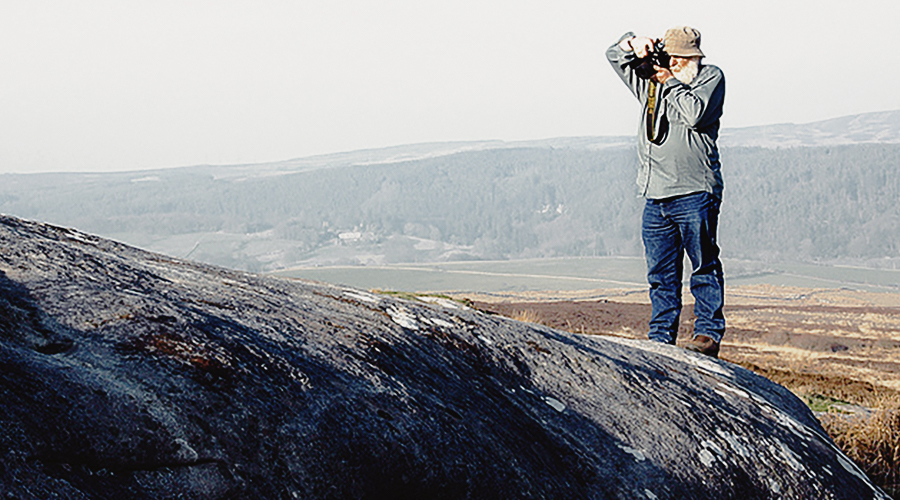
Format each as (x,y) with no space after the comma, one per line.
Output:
(838,343)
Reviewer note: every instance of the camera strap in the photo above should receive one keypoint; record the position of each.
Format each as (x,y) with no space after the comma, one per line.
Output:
(651,111)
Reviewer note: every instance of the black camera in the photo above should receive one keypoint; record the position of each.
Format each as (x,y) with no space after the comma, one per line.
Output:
(643,67)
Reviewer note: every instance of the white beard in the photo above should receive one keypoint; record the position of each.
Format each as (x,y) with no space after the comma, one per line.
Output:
(687,73)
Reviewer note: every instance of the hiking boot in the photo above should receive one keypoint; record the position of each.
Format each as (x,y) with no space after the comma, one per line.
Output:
(703,345)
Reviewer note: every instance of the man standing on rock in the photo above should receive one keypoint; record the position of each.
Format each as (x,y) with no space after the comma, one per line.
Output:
(679,176)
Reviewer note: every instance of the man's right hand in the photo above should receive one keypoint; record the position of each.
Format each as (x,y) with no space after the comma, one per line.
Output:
(641,45)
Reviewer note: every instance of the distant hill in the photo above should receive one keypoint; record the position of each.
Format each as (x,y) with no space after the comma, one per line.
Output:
(869,128)
(832,199)
(880,128)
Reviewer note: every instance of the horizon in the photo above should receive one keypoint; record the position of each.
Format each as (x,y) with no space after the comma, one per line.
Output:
(411,144)
(415,144)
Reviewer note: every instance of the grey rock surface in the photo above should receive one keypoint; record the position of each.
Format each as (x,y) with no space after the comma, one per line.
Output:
(126,374)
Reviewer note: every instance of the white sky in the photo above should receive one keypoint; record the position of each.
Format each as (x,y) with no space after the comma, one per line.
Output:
(96,85)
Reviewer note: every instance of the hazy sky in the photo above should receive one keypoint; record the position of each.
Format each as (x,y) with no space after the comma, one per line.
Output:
(95,85)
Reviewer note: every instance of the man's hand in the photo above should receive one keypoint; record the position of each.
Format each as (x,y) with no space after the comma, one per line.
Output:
(641,45)
(662,74)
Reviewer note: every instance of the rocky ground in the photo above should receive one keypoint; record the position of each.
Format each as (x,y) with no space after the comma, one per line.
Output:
(127,374)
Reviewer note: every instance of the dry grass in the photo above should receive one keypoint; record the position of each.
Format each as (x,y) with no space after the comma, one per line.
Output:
(872,442)
(829,385)
(527,316)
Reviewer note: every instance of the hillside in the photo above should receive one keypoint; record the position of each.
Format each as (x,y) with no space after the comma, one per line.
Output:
(832,200)
(869,128)
(128,374)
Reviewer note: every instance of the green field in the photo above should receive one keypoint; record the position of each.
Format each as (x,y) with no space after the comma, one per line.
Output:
(586,273)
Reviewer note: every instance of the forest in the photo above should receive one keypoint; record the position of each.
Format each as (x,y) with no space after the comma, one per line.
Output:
(807,204)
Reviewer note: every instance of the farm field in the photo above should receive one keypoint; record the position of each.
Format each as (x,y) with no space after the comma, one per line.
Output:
(582,275)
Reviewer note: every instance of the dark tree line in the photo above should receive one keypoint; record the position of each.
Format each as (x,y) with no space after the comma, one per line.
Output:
(796,204)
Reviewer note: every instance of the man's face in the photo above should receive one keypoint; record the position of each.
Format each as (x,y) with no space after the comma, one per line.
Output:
(685,69)
(677,63)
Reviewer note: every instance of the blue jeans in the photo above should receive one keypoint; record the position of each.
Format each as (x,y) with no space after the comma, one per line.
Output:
(671,227)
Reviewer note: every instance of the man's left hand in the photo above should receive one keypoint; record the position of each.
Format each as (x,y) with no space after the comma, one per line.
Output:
(662,74)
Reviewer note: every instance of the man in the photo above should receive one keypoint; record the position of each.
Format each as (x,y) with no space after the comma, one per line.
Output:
(679,175)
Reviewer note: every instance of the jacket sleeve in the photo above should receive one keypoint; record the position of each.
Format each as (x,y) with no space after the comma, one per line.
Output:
(698,105)
(620,59)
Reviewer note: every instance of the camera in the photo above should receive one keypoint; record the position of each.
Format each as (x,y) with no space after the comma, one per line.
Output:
(643,67)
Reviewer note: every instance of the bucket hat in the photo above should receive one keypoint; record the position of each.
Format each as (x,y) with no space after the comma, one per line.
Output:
(683,41)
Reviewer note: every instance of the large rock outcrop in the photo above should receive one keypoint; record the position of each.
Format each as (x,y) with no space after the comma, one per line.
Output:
(126,374)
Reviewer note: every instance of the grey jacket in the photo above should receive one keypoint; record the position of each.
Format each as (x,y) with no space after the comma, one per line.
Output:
(683,157)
